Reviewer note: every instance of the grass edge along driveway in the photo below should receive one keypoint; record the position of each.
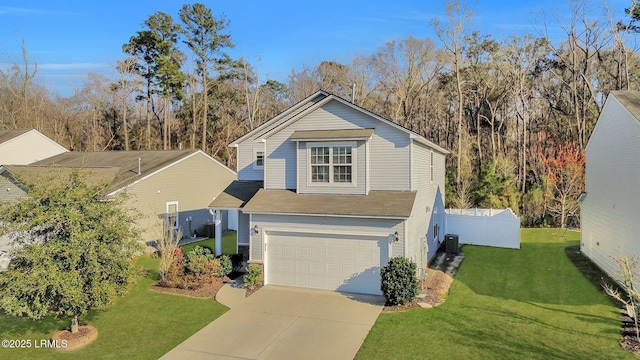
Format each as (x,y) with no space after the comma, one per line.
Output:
(530,303)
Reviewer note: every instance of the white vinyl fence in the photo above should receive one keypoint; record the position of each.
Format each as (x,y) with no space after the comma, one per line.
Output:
(487,227)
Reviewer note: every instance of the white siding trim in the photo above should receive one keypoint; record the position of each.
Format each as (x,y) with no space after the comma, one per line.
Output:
(333,231)
(326,215)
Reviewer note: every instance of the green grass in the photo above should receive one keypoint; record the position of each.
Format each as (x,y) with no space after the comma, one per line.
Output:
(142,325)
(228,244)
(530,303)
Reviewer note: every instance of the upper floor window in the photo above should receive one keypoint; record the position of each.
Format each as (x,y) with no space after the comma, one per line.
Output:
(331,164)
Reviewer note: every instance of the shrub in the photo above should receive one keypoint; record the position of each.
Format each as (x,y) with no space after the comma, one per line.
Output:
(197,264)
(399,283)
(630,296)
(252,277)
(225,266)
(175,271)
(212,268)
(200,251)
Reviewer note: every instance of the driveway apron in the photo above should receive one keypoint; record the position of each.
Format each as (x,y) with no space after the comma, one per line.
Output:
(279,322)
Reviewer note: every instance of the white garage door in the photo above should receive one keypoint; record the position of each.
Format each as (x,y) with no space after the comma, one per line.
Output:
(335,262)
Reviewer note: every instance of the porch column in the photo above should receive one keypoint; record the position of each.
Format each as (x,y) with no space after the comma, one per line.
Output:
(218,226)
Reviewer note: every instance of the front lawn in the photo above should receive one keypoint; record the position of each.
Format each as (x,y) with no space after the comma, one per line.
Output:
(142,325)
(228,244)
(530,303)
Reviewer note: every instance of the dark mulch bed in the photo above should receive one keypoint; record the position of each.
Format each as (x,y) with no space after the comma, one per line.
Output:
(66,341)
(436,286)
(209,290)
(598,278)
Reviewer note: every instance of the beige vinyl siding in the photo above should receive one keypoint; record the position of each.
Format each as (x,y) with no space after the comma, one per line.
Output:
(246,161)
(359,171)
(389,157)
(316,224)
(28,148)
(611,210)
(193,182)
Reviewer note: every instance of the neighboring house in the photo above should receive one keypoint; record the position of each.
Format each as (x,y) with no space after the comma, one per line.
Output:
(22,147)
(327,192)
(610,209)
(175,186)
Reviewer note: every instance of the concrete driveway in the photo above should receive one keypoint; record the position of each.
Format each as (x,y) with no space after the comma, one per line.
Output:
(279,322)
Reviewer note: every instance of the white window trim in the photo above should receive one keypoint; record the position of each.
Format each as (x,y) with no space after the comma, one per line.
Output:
(431,170)
(177,224)
(331,145)
(255,159)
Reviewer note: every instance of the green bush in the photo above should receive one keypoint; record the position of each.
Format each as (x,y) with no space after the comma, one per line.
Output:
(226,266)
(252,277)
(399,283)
(200,251)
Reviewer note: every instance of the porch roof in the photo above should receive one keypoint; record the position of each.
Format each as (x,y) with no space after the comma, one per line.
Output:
(236,195)
(377,204)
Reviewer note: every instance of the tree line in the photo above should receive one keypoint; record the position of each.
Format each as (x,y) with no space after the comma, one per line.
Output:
(516,112)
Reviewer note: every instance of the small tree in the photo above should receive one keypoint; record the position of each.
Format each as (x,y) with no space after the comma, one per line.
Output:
(565,180)
(73,250)
(167,245)
(399,283)
(630,296)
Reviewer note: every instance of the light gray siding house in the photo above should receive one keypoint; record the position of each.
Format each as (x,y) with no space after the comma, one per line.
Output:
(610,211)
(327,192)
(174,186)
(22,147)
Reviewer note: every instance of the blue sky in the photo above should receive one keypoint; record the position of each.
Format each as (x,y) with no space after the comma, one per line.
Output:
(68,39)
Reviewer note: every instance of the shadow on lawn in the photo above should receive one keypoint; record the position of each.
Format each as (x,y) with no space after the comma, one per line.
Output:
(518,344)
(537,273)
(18,327)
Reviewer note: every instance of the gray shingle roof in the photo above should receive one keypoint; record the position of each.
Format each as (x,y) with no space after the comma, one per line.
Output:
(630,100)
(331,134)
(6,135)
(384,204)
(93,175)
(125,161)
(236,195)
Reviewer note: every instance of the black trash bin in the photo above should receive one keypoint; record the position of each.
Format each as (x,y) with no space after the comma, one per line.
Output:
(451,243)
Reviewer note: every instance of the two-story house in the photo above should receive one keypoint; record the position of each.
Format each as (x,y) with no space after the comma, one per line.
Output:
(327,192)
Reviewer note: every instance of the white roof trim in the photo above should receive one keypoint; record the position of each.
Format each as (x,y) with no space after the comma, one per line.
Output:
(271,123)
(330,97)
(326,215)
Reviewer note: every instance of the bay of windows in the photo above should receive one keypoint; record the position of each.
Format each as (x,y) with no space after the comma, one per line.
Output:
(331,164)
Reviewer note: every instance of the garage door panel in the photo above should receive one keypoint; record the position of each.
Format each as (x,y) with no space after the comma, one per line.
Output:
(336,262)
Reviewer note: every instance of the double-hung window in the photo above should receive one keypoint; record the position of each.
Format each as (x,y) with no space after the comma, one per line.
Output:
(259,159)
(331,164)
(171,219)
